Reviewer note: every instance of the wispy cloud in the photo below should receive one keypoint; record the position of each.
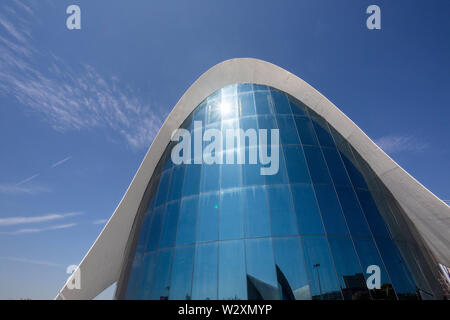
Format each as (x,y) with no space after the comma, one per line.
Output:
(14,189)
(60,162)
(101,221)
(400,143)
(28,179)
(10,221)
(74,97)
(36,230)
(30,261)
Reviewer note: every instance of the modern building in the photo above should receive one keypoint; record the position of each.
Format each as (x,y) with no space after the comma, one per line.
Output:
(337,212)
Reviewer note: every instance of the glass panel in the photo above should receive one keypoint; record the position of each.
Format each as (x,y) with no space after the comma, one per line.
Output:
(155,229)
(191,179)
(356,177)
(352,211)
(181,281)
(262,102)
(161,283)
(169,232)
(308,215)
(296,164)
(281,103)
(231,176)
(306,131)
(373,217)
(147,278)
(187,221)
(176,183)
(297,107)
(288,131)
(369,256)
(246,124)
(256,213)
(134,280)
(246,104)
(336,167)
(351,277)
(261,275)
(251,173)
(205,272)
(162,189)
(322,276)
(333,218)
(317,167)
(210,177)
(323,135)
(290,268)
(208,217)
(245,87)
(231,224)
(232,277)
(282,216)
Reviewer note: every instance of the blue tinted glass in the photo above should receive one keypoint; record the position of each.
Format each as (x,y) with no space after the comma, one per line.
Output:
(323,135)
(208,217)
(251,173)
(296,164)
(369,256)
(245,87)
(213,113)
(321,273)
(333,218)
(282,216)
(398,270)
(372,214)
(161,283)
(200,112)
(351,277)
(261,275)
(246,104)
(191,179)
(290,269)
(155,229)
(256,212)
(149,267)
(260,87)
(132,292)
(281,102)
(336,167)
(232,277)
(281,175)
(210,177)
(181,279)
(231,218)
(288,131)
(297,107)
(187,221)
(308,216)
(352,211)
(305,131)
(169,232)
(246,124)
(142,241)
(204,286)
(356,176)
(262,102)
(161,196)
(317,167)
(231,176)
(176,183)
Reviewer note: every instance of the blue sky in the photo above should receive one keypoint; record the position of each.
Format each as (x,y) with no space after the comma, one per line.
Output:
(78,109)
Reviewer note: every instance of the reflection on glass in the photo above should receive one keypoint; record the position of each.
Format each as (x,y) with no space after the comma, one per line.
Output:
(231,218)
(232,277)
(282,216)
(161,282)
(204,285)
(183,263)
(256,212)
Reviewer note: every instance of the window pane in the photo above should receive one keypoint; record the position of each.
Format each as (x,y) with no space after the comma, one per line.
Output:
(307,211)
(281,103)
(323,135)
(356,177)
(306,131)
(317,167)
(191,179)
(281,175)
(246,104)
(147,279)
(208,211)
(232,278)
(322,276)
(333,218)
(262,99)
(169,232)
(155,229)
(210,177)
(282,216)
(251,173)
(296,164)
(290,268)
(336,167)
(134,280)
(246,124)
(162,189)
(161,283)
(176,183)
(245,87)
(351,277)
(205,272)
(187,221)
(297,107)
(256,213)
(181,280)
(372,214)
(352,211)
(261,276)
(288,131)
(231,224)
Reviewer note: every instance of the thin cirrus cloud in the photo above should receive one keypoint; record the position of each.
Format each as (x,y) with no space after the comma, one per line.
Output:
(67,97)
(400,143)
(11,221)
(31,261)
(36,230)
(101,221)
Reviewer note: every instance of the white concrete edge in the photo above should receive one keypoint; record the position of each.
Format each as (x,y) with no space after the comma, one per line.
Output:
(102,264)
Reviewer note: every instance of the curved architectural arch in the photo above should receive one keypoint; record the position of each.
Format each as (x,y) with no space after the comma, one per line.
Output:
(426,213)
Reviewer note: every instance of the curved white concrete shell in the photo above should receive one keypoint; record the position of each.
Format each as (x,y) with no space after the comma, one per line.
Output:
(430,216)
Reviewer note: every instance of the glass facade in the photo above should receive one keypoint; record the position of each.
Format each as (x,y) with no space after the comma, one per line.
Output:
(310,231)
